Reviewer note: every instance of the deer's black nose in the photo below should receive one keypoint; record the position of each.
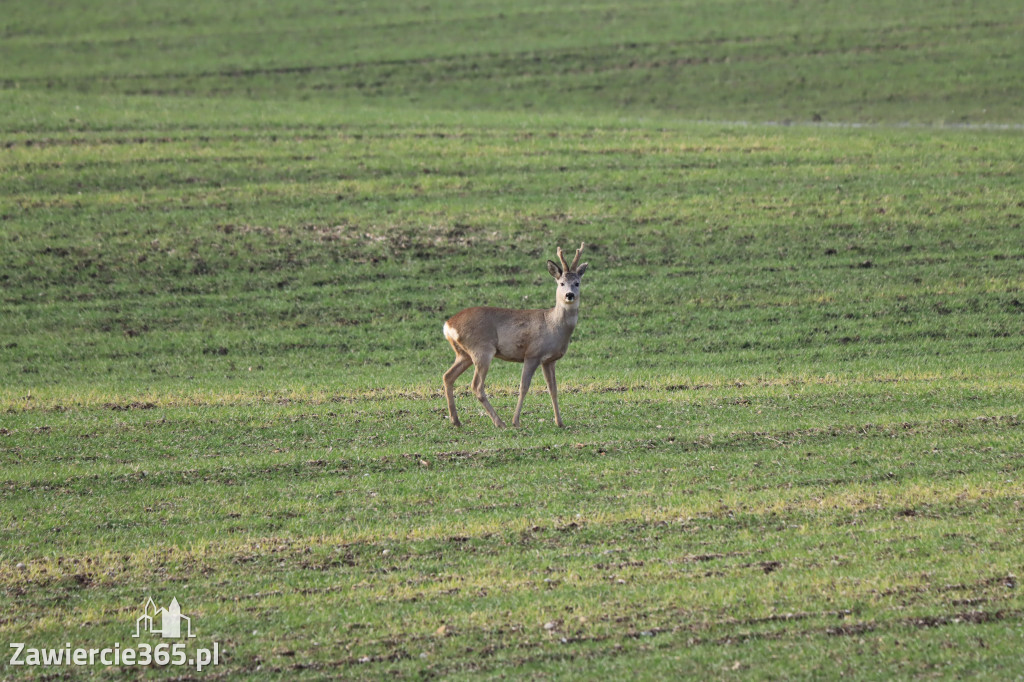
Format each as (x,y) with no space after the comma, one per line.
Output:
(570,296)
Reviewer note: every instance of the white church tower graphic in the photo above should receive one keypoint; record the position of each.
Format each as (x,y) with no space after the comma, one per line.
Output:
(164,622)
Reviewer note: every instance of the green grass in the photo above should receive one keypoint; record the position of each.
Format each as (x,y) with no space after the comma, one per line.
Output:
(793,446)
(731,59)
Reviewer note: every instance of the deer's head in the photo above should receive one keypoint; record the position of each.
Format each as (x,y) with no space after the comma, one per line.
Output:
(568,278)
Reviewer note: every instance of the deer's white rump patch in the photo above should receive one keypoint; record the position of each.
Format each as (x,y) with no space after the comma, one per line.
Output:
(450,333)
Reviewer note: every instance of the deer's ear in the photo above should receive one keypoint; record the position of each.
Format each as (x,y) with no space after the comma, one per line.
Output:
(555,271)
(581,268)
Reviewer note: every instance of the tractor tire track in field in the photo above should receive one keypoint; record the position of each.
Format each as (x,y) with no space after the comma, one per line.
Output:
(628,56)
(491,657)
(626,74)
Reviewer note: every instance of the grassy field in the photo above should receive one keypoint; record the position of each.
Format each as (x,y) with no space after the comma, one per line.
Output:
(792,445)
(875,60)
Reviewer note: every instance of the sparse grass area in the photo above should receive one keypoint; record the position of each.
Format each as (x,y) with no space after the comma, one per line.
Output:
(793,446)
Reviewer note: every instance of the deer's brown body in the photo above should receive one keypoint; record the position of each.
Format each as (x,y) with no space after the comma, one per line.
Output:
(532,337)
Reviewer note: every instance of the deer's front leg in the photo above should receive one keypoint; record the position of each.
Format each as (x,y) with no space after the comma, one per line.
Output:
(549,377)
(529,367)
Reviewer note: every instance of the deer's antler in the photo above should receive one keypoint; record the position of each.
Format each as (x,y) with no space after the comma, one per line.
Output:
(576,260)
(561,257)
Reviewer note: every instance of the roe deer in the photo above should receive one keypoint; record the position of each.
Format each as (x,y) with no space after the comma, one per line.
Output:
(532,337)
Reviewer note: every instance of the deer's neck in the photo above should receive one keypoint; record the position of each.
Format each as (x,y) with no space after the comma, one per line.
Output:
(564,316)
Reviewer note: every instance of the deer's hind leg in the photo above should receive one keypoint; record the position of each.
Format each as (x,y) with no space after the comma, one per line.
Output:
(483,363)
(461,364)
